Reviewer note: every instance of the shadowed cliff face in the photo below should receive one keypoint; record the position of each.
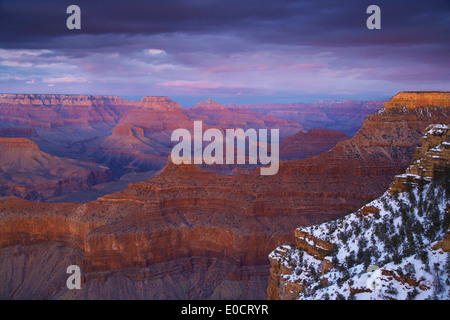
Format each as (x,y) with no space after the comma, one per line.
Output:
(304,145)
(188,233)
(344,116)
(27,172)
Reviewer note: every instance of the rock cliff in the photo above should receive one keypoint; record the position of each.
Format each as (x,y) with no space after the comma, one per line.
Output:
(304,145)
(28,172)
(404,234)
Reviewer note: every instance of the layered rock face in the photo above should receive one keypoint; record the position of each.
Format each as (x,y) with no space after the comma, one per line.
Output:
(28,172)
(188,233)
(44,111)
(304,145)
(433,156)
(405,232)
(151,233)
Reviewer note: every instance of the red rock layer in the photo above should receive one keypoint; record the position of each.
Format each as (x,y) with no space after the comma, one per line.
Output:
(304,145)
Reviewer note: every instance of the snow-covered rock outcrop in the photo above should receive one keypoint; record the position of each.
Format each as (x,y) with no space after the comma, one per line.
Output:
(395,247)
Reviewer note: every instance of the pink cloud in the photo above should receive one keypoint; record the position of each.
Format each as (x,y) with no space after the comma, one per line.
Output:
(66,79)
(192,84)
(303,66)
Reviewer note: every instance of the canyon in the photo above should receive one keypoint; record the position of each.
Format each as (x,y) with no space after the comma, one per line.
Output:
(130,138)
(188,233)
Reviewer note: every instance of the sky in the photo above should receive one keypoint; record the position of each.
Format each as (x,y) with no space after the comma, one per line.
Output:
(246,51)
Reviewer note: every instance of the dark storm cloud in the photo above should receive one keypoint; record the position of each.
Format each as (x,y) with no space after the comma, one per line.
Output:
(210,47)
(27,20)
(327,23)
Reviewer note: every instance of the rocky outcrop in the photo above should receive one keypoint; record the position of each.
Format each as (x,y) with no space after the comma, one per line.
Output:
(209,105)
(429,160)
(280,287)
(419,99)
(283,283)
(444,244)
(17,143)
(411,261)
(314,246)
(159,103)
(402,279)
(369,210)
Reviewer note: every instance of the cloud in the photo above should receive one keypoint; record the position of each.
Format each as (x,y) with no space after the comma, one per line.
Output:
(9,63)
(12,53)
(65,79)
(192,84)
(50,65)
(154,51)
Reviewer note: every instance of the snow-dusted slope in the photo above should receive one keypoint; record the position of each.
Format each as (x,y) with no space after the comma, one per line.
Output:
(395,247)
